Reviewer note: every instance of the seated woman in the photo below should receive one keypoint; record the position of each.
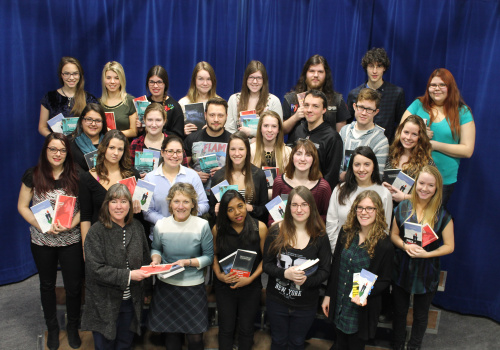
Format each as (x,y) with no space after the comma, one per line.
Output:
(251,181)
(112,166)
(362,175)
(202,88)
(450,125)
(410,151)
(254,95)
(292,295)
(90,130)
(157,85)
(116,100)
(238,298)
(363,244)
(416,270)
(70,99)
(179,306)
(303,170)
(164,177)
(55,174)
(115,249)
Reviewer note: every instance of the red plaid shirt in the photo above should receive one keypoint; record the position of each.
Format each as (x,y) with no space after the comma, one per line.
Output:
(138,145)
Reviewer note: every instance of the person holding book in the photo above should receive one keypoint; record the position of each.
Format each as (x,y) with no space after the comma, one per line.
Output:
(157,85)
(170,173)
(249,179)
(90,130)
(179,306)
(410,151)
(238,298)
(416,269)
(363,244)
(115,249)
(116,100)
(202,88)
(362,175)
(303,170)
(254,95)
(113,165)
(70,99)
(54,175)
(450,125)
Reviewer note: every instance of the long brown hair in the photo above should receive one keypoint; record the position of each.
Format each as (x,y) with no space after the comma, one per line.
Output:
(279,143)
(116,191)
(253,67)
(125,162)
(192,93)
(79,97)
(315,226)
(314,171)
(452,104)
(432,208)
(378,230)
(247,168)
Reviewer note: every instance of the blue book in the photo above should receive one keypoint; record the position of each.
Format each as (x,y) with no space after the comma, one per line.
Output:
(413,233)
(55,123)
(216,189)
(276,208)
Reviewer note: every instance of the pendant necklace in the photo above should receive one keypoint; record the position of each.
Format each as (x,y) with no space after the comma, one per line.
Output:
(70,99)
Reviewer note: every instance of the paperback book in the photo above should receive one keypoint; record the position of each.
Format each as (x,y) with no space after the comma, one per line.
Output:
(224,189)
(250,121)
(202,148)
(91,159)
(165,270)
(216,189)
(227,263)
(195,114)
(208,162)
(413,233)
(403,182)
(130,182)
(284,198)
(69,125)
(276,208)
(243,262)
(428,235)
(147,160)
(347,158)
(65,206)
(300,98)
(140,104)
(110,120)
(246,113)
(309,267)
(390,175)
(365,283)
(44,214)
(55,123)
(271,174)
(143,193)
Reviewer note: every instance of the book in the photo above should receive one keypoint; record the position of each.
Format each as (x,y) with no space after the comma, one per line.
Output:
(243,262)
(390,175)
(355,285)
(65,206)
(166,270)
(143,193)
(276,208)
(140,104)
(110,120)
(202,148)
(250,121)
(195,114)
(284,198)
(216,189)
(301,97)
(224,189)
(130,182)
(208,162)
(347,158)
(55,123)
(147,160)
(245,113)
(91,159)
(309,267)
(44,214)
(227,263)
(69,125)
(365,284)
(428,235)
(269,178)
(403,182)
(413,233)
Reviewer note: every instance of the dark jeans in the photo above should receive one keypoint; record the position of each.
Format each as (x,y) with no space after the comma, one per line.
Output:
(447,191)
(421,306)
(124,336)
(71,260)
(289,326)
(237,306)
(348,341)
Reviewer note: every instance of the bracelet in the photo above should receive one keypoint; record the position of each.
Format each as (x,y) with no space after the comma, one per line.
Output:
(189,262)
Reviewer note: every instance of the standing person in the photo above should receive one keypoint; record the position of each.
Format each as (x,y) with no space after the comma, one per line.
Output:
(90,130)
(115,249)
(450,125)
(157,85)
(238,298)
(202,88)
(375,63)
(251,181)
(254,95)
(316,75)
(303,170)
(179,306)
(55,174)
(363,244)
(362,175)
(416,270)
(70,99)
(325,138)
(116,100)
(292,296)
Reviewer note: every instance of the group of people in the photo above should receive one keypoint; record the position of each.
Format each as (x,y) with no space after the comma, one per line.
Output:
(338,210)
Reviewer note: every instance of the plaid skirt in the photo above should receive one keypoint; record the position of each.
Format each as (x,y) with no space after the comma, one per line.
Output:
(178,309)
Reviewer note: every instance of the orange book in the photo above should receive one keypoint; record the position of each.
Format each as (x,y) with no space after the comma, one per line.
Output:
(130,182)
(110,120)
(65,206)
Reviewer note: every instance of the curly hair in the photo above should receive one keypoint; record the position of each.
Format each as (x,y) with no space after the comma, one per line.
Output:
(125,163)
(378,229)
(327,87)
(376,55)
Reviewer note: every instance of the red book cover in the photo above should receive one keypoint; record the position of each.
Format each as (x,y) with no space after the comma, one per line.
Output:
(250,112)
(65,206)
(141,98)
(428,235)
(153,270)
(130,182)
(110,120)
(243,262)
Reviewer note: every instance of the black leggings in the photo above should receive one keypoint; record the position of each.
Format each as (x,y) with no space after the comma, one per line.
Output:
(173,341)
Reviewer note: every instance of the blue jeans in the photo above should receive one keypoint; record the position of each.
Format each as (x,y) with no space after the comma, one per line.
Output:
(289,326)
(124,336)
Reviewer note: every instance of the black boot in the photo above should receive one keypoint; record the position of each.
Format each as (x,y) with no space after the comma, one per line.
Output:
(400,346)
(53,338)
(73,337)
(409,347)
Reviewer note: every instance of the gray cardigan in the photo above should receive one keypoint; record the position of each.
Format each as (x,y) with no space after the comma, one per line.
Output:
(107,275)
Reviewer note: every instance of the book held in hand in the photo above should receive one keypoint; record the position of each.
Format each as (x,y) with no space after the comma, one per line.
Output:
(216,189)
(208,162)
(165,270)
(347,158)
(69,125)
(362,285)
(413,233)
(224,189)
(227,263)
(55,123)
(65,206)
(300,98)
(44,214)
(251,112)
(250,121)
(147,160)
(140,104)
(276,208)
(309,267)
(130,182)
(110,120)
(428,235)
(403,182)
(91,159)
(271,174)
(143,193)
(243,262)
(390,175)
(195,114)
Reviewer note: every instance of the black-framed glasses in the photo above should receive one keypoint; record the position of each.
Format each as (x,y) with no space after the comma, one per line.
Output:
(68,74)
(90,121)
(369,210)
(365,109)
(435,86)
(54,150)
(153,83)
(171,152)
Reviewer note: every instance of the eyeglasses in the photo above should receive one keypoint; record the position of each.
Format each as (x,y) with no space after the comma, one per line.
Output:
(68,74)
(257,79)
(54,150)
(296,206)
(171,152)
(362,109)
(369,210)
(153,83)
(435,86)
(90,121)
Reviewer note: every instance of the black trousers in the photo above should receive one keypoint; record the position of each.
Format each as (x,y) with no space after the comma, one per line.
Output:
(348,341)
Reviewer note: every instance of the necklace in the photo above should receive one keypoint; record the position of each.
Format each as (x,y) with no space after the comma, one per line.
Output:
(70,99)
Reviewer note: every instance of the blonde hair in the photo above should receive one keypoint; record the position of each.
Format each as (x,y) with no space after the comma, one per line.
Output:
(431,209)
(186,190)
(192,93)
(118,69)
(279,143)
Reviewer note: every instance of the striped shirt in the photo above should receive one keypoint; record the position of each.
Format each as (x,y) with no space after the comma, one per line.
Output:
(126,293)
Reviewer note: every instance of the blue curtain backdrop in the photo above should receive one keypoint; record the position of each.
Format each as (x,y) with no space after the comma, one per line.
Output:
(419,36)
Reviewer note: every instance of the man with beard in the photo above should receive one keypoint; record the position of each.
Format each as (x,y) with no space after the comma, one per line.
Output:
(316,74)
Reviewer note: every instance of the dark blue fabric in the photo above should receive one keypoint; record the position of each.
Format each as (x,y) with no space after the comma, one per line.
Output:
(419,36)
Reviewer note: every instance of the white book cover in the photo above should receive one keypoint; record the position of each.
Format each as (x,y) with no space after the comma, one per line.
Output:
(55,123)
(276,208)
(413,233)
(366,282)
(143,193)
(403,182)
(216,189)
(44,214)
(269,178)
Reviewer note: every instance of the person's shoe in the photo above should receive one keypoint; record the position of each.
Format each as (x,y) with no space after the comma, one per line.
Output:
(385,318)
(73,337)
(53,339)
